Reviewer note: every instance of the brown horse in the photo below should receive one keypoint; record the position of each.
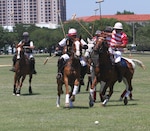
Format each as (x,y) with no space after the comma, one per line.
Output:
(106,74)
(22,68)
(71,75)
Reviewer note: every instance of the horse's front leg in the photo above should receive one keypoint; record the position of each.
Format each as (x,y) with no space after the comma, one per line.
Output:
(92,90)
(15,84)
(18,86)
(67,91)
(30,80)
(75,90)
(105,97)
(102,90)
(59,92)
(111,90)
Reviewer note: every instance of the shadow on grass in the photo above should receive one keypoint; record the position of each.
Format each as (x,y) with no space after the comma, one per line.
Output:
(132,104)
(77,107)
(122,100)
(27,94)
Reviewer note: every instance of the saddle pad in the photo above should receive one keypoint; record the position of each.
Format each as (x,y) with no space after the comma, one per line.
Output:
(123,62)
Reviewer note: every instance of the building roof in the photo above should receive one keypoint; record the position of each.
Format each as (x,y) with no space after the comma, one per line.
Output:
(125,18)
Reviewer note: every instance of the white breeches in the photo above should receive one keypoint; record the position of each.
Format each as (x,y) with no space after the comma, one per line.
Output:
(66,57)
(117,55)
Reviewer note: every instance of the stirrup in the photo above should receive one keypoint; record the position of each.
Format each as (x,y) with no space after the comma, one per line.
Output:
(59,75)
(12,69)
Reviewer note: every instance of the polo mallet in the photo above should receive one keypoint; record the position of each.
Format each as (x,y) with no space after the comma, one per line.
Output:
(48,58)
(74,18)
(63,34)
(61,23)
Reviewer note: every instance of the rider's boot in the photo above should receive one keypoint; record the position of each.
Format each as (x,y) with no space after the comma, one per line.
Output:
(32,65)
(83,72)
(14,62)
(118,69)
(60,66)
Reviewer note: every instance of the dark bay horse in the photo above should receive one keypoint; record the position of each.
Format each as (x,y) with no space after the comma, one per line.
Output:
(106,74)
(71,75)
(22,68)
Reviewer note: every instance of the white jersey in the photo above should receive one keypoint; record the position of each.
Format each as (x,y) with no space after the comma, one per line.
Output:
(62,43)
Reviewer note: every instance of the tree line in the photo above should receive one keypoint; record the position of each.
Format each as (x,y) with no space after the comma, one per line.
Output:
(45,38)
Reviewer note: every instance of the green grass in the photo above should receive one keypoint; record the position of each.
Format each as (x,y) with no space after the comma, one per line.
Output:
(38,112)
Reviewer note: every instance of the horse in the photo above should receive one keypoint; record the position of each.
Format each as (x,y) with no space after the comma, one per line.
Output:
(71,75)
(106,74)
(91,62)
(22,68)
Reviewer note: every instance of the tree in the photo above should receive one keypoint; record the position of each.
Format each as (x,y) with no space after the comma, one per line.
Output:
(143,37)
(124,12)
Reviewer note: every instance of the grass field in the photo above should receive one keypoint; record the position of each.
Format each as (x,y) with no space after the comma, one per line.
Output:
(38,112)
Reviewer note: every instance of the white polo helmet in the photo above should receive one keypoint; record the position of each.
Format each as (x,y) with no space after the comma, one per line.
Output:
(72,32)
(118,25)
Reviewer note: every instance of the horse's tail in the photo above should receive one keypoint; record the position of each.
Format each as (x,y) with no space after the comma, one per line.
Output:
(139,63)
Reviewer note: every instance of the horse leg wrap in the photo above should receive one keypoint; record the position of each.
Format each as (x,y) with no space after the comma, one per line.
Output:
(127,93)
(92,92)
(75,90)
(58,101)
(67,99)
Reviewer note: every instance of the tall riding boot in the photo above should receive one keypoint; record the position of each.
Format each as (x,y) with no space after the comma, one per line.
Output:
(14,59)
(83,72)
(60,65)
(118,69)
(32,65)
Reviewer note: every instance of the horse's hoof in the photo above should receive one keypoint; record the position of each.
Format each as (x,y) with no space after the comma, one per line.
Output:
(125,101)
(17,94)
(30,92)
(58,105)
(91,104)
(105,102)
(72,98)
(67,105)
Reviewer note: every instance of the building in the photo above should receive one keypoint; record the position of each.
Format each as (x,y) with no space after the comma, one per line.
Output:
(128,18)
(31,11)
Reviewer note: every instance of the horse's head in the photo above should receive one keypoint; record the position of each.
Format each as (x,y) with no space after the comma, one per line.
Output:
(91,44)
(101,45)
(20,51)
(77,48)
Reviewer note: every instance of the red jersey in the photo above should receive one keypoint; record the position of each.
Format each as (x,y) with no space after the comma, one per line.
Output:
(118,38)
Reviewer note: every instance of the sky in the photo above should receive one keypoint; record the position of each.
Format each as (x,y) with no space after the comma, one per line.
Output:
(108,7)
